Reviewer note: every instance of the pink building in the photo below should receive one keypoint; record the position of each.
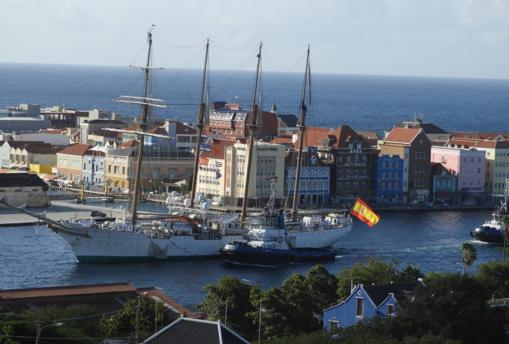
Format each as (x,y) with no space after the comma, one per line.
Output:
(468,164)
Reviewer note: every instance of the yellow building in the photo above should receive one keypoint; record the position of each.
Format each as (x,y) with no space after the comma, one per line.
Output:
(70,162)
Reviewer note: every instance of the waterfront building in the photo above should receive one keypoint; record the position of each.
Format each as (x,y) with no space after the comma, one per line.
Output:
(104,138)
(22,118)
(70,162)
(435,134)
(184,136)
(90,126)
(230,120)
(57,139)
(391,179)
(193,331)
(444,186)
(211,169)
(23,189)
(61,117)
(314,180)
(117,167)
(468,164)
(351,158)
(267,165)
(93,169)
(371,137)
(497,160)
(413,145)
(366,302)
(158,166)
(23,154)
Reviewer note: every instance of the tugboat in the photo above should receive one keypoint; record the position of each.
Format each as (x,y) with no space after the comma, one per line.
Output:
(273,248)
(494,230)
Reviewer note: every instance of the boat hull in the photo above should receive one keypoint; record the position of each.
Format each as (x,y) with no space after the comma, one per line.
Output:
(489,235)
(245,254)
(103,246)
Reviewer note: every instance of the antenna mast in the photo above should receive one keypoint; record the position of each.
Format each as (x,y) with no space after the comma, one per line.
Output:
(252,128)
(199,125)
(302,130)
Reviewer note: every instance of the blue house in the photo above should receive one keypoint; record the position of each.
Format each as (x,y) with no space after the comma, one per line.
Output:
(391,179)
(314,179)
(365,303)
(93,169)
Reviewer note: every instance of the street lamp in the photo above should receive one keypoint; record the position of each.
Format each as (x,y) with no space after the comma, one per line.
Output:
(39,328)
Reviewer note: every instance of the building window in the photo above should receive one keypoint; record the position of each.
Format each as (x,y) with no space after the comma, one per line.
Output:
(360,307)
(390,310)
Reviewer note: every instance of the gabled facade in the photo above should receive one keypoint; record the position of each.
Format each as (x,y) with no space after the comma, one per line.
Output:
(314,180)
(412,145)
(93,169)
(365,303)
(391,179)
(70,162)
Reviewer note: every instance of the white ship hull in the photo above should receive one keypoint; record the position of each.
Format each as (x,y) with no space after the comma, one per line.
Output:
(109,246)
(318,238)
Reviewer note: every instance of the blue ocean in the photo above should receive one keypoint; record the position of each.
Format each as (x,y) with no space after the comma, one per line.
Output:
(363,102)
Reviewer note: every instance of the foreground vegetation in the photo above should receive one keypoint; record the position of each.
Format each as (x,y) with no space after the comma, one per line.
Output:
(448,308)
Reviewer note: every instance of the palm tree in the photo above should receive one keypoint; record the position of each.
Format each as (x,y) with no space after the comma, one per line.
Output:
(468,255)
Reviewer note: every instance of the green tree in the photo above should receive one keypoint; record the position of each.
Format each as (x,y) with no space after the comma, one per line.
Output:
(308,338)
(123,323)
(450,306)
(6,331)
(410,274)
(275,314)
(323,288)
(468,255)
(231,297)
(374,271)
(495,278)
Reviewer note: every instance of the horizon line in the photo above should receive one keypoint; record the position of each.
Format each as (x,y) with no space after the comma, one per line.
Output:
(267,71)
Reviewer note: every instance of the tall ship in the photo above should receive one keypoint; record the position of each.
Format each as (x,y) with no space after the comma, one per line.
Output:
(273,236)
(496,229)
(188,235)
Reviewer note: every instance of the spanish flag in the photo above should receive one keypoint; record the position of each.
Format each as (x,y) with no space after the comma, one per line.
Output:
(364,213)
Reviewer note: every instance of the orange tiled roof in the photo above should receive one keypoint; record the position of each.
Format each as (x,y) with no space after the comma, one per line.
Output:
(402,135)
(76,149)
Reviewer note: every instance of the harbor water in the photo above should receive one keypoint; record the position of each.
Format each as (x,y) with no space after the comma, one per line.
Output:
(36,257)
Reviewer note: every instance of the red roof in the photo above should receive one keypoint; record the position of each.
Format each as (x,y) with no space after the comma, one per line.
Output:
(76,149)
(402,135)
(478,143)
(128,144)
(65,291)
(320,137)
(217,148)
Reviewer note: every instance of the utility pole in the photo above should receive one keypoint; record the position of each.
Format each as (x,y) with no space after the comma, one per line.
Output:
(199,125)
(252,129)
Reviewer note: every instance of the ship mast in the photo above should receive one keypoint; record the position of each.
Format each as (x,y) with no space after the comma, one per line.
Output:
(252,128)
(302,131)
(199,125)
(146,104)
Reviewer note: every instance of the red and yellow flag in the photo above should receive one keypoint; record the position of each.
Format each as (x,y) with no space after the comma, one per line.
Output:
(364,213)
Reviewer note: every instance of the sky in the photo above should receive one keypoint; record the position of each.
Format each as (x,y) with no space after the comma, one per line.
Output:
(444,38)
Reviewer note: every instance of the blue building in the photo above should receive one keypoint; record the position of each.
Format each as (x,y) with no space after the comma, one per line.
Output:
(93,169)
(391,179)
(444,184)
(365,303)
(314,179)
